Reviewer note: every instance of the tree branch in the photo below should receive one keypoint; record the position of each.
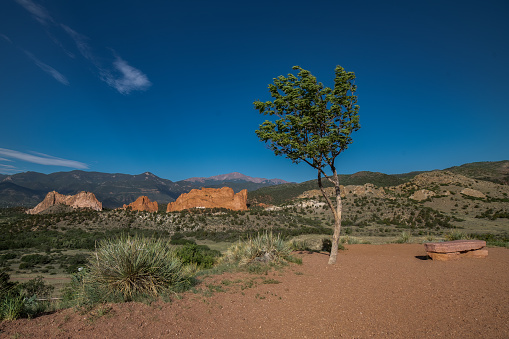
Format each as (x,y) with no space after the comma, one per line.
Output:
(329,202)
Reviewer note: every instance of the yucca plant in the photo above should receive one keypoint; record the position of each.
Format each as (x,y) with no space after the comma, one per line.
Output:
(265,247)
(134,266)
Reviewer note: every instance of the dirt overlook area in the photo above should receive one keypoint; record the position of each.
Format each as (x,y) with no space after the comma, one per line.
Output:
(381,291)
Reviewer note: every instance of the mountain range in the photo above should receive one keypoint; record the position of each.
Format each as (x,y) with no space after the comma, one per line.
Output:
(113,190)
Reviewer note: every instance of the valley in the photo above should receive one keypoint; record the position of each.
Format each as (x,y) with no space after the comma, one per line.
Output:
(429,206)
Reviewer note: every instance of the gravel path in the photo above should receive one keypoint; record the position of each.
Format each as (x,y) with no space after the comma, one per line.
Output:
(383,291)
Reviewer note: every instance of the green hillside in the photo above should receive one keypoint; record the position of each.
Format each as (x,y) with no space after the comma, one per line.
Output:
(494,171)
(281,193)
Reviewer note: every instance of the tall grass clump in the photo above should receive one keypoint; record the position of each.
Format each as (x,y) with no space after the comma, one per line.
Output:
(456,235)
(22,300)
(265,247)
(404,238)
(299,245)
(129,268)
(11,306)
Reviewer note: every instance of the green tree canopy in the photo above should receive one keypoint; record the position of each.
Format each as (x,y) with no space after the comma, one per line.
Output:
(315,122)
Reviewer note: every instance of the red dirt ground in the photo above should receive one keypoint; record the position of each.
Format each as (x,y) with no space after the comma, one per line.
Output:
(384,291)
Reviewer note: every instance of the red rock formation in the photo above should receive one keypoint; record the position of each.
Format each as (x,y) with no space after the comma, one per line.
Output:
(210,198)
(143,203)
(80,200)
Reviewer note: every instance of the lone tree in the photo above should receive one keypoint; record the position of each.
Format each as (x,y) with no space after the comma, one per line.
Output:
(314,126)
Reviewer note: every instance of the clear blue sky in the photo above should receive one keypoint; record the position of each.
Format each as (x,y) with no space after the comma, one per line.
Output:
(168,86)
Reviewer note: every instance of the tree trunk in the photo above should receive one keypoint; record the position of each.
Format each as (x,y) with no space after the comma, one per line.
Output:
(337,224)
(336,211)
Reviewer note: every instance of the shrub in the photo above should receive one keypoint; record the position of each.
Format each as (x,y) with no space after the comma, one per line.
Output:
(20,300)
(265,247)
(35,259)
(404,238)
(131,267)
(202,256)
(493,240)
(327,245)
(36,287)
(299,245)
(456,235)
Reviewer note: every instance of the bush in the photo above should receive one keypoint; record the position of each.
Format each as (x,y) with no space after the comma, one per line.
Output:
(201,256)
(35,259)
(404,238)
(327,245)
(20,300)
(128,268)
(493,240)
(36,287)
(299,245)
(265,247)
(456,235)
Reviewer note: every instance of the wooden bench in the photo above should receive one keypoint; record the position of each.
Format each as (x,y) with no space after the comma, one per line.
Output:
(456,249)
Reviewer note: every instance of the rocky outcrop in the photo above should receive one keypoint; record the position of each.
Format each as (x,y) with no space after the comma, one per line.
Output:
(303,204)
(143,203)
(210,198)
(80,200)
(423,194)
(473,193)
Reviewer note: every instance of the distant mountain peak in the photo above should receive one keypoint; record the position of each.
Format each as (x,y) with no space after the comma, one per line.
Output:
(236,176)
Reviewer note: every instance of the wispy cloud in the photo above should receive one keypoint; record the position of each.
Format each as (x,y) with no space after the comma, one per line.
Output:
(8,167)
(42,159)
(120,75)
(125,78)
(40,13)
(6,38)
(81,43)
(48,69)
(59,44)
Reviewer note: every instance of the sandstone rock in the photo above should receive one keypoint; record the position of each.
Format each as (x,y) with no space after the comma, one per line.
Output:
(454,246)
(473,193)
(143,203)
(481,253)
(422,195)
(210,198)
(453,250)
(80,200)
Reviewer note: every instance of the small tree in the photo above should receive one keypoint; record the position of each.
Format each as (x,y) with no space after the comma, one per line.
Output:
(314,126)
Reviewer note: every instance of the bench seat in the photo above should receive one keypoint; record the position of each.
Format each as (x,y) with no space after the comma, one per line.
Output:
(456,249)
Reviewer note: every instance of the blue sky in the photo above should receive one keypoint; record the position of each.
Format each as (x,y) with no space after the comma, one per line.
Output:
(168,86)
